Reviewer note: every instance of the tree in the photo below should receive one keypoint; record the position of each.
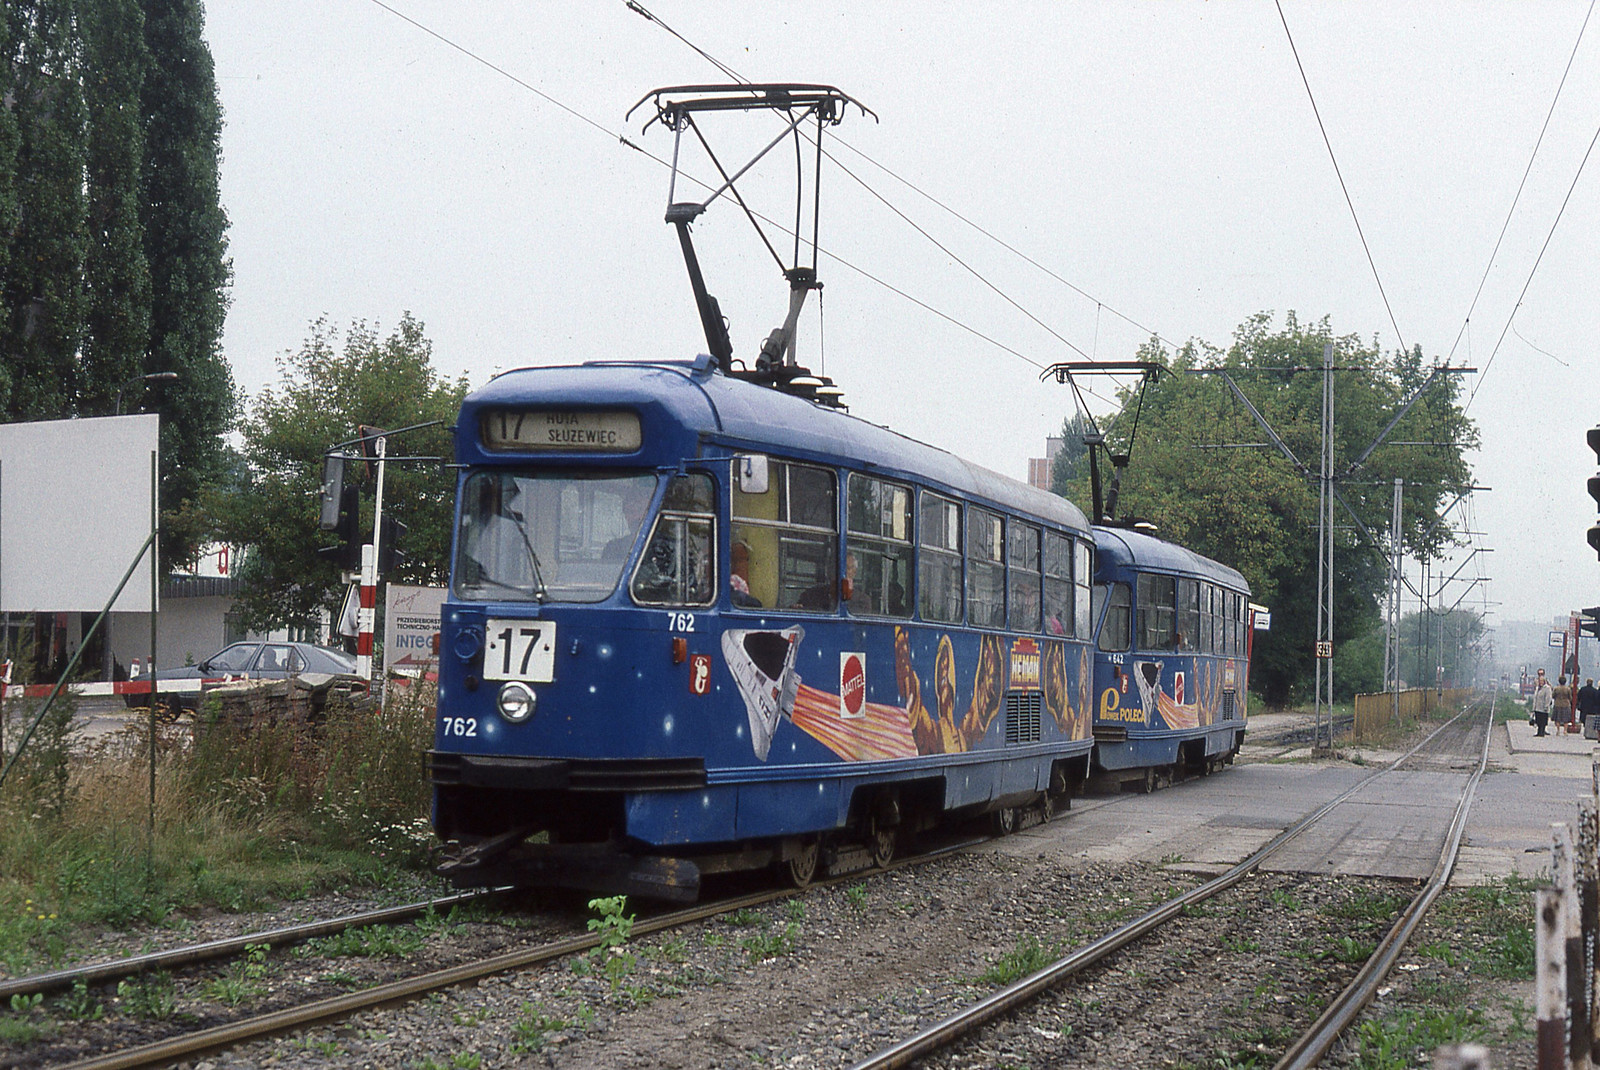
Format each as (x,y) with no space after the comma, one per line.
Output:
(1070,464)
(326,389)
(9,141)
(1193,476)
(185,245)
(43,297)
(116,276)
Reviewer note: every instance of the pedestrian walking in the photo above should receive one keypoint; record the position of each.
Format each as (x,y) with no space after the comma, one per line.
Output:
(1540,703)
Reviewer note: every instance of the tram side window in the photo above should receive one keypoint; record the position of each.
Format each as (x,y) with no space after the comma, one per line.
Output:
(878,547)
(1207,633)
(1236,615)
(1116,628)
(939,559)
(986,569)
(1213,622)
(1082,577)
(676,566)
(1059,618)
(1158,603)
(1189,593)
(1022,554)
(790,537)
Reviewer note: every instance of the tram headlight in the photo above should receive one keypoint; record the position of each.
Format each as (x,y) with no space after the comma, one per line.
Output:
(515,702)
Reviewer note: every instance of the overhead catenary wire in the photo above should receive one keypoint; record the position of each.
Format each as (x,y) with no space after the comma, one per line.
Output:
(625,141)
(1326,140)
(1526,171)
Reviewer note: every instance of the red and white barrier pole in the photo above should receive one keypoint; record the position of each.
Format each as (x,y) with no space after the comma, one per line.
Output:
(367,617)
(1550,977)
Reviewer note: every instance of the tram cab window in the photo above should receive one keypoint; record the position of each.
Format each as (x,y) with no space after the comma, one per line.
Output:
(551,535)
(1158,603)
(878,546)
(1059,615)
(1189,592)
(1022,557)
(676,566)
(986,569)
(791,535)
(939,559)
(1116,625)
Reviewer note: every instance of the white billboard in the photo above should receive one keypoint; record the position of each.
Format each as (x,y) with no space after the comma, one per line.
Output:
(411,628)
(74,510)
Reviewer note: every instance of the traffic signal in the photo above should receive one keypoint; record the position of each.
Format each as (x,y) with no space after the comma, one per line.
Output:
(347,552)
(1589,621)
(1594,489)
(390,532)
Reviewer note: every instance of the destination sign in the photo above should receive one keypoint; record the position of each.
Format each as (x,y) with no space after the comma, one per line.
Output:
(566,431)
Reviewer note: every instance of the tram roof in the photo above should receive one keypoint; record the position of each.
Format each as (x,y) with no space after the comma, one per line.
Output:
(1137,550)
(695,396)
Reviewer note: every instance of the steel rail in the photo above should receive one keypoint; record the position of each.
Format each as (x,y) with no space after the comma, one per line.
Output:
(1315,1042)
(1017,994)
(188,955)
(206,1041)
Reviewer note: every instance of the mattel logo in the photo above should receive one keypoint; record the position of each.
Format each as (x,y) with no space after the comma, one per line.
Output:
(852,685)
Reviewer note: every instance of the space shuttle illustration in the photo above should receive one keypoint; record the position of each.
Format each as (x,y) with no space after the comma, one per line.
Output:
(762,663)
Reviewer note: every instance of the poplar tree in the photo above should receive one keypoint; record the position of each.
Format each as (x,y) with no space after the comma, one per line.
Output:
(43,296)
(116,277)
(185,245)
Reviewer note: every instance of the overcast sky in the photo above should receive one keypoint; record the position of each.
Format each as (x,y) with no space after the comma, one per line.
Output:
(1162,158)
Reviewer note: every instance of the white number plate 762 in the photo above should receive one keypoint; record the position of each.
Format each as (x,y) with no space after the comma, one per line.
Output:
(520,650)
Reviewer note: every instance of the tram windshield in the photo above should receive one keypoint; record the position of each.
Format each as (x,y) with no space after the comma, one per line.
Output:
(548,536)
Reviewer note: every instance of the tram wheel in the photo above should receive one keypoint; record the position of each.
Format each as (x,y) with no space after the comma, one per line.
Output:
(801,867)
(1148,785)
(1004,821)
(881,843)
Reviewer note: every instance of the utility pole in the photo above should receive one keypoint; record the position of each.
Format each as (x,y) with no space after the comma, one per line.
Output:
(1324,659)
(1391,628)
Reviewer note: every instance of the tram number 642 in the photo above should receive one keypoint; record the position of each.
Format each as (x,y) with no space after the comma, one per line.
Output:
(519,650)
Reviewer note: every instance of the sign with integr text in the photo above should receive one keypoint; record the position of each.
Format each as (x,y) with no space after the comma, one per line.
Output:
(411,629)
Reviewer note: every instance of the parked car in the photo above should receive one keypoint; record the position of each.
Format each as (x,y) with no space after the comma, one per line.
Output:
(182,687)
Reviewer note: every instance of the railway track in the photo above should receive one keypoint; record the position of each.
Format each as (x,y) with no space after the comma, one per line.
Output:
(192,1045)
(1442,745)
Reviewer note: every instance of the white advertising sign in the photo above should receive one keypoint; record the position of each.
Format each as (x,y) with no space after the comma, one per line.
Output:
(411,628)
(74,510)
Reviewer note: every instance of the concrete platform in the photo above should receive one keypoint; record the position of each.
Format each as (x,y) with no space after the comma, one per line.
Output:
(1393,828)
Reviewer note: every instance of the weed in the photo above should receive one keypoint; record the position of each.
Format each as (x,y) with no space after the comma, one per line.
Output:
(1239,945)
(675,949)
(795,910)
(243,979)
(1367,906)
(150,996)
(341,978)
(714,940)
(856,896)
(1027,957)
(613,928)
(1284,898)
(744,917)
(761,946)
(1171,859)
(79,1005)
(1399,1041)
(370,941)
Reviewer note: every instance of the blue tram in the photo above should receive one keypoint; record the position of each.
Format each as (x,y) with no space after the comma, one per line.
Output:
(698,624)
(1172,660)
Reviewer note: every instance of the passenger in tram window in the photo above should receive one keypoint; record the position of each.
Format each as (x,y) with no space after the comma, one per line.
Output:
(739,577)
(635,503)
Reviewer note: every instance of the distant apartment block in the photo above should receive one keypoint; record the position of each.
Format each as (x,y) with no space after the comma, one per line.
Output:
(1039,467)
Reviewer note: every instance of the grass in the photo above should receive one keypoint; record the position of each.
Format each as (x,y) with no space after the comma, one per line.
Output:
(1027,957)
(244,815)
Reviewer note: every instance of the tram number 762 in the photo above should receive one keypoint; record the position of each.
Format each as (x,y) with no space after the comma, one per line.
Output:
(520,650)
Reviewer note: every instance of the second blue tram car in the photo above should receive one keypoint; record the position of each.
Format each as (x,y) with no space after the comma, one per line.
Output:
(697,624)
(1172,661)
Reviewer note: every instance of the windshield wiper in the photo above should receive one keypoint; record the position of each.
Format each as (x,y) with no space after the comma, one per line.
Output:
(533,559)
